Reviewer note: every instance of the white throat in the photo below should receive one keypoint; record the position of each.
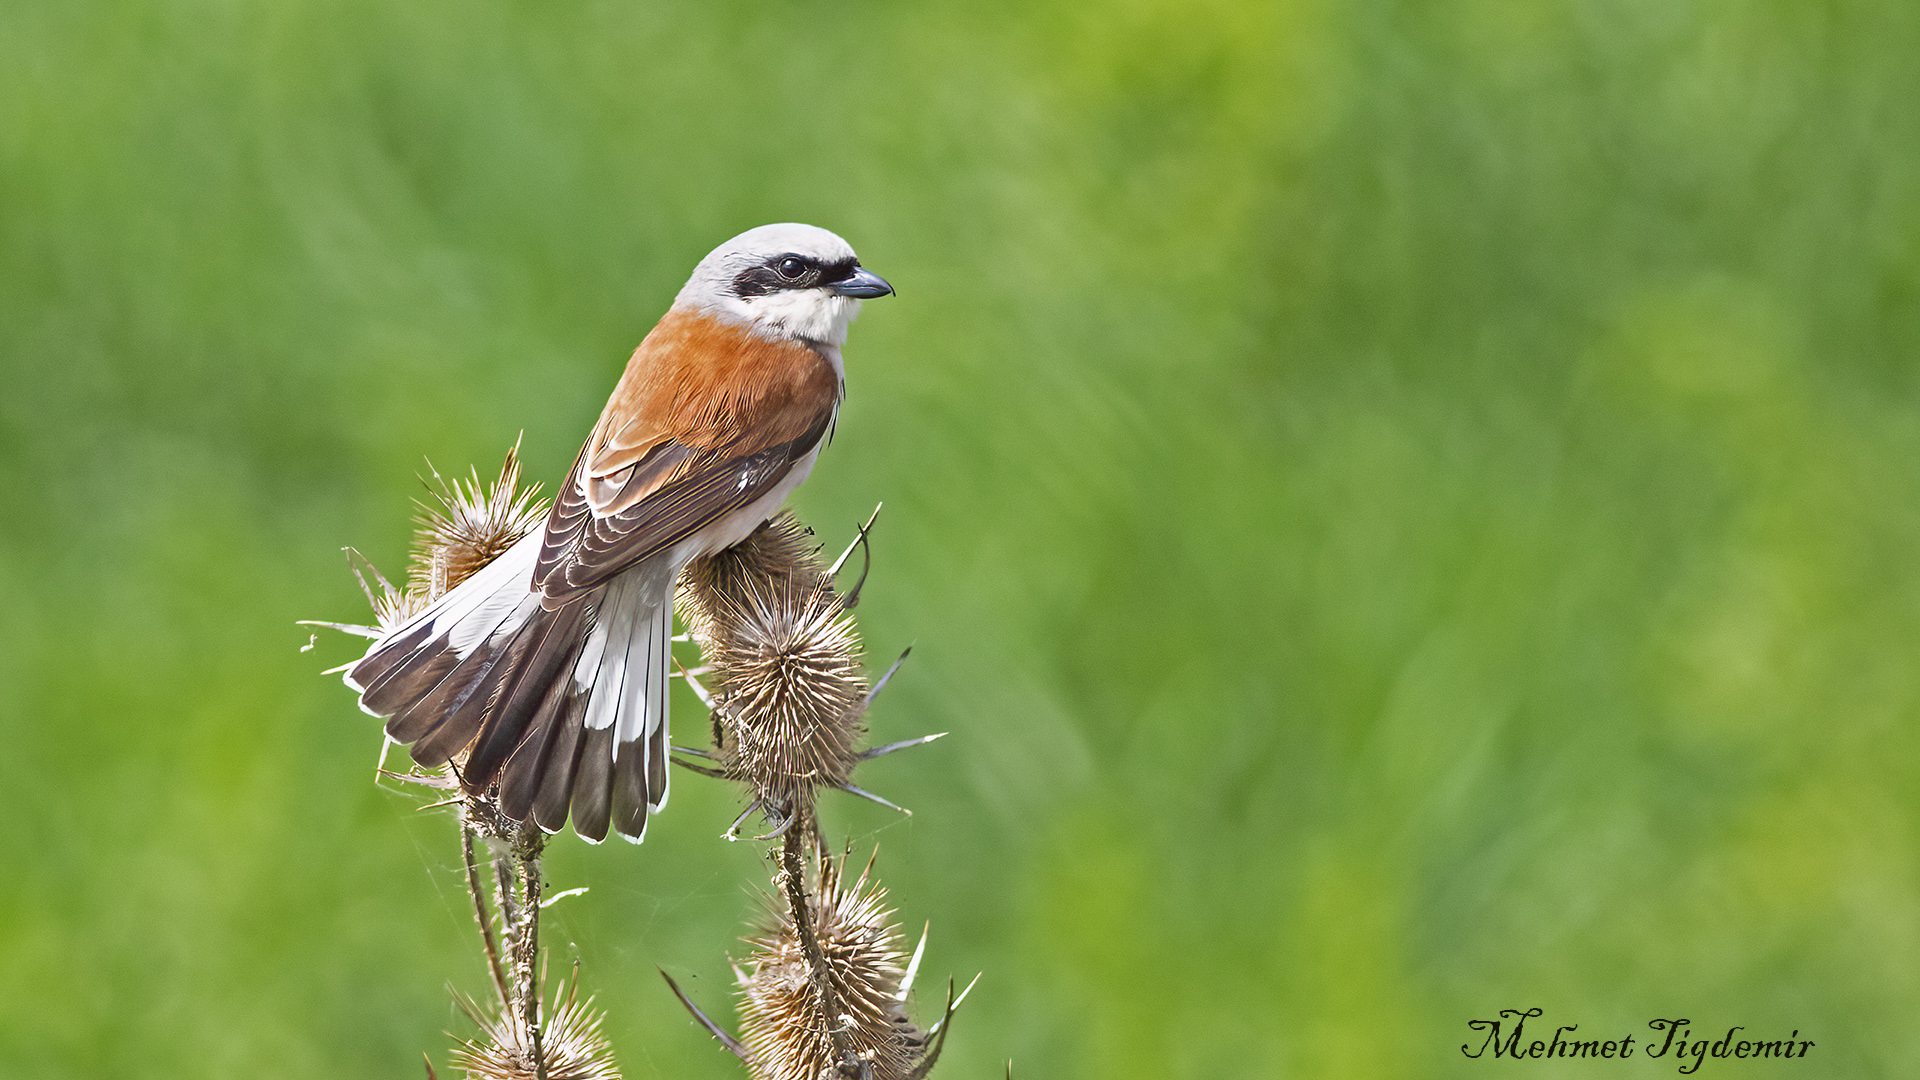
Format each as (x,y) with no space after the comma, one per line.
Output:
(817,316)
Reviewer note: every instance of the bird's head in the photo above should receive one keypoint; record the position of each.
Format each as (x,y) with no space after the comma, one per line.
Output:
(784,282)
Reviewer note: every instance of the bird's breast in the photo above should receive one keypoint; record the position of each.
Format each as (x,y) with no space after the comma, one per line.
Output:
(708,383)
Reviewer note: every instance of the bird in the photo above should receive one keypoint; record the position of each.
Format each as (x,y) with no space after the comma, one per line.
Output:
(548,667)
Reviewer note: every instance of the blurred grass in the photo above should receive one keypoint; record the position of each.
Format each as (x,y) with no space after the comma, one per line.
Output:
(1408,510)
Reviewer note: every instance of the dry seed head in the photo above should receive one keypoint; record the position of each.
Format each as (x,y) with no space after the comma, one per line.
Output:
(392,604)
(789,692)
(781,551)
(785,1030)
(572,1043)
(470,527)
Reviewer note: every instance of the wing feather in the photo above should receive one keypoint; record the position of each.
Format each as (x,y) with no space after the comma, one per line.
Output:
(706,420)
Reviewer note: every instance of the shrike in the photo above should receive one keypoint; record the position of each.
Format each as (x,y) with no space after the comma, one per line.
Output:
(549,666)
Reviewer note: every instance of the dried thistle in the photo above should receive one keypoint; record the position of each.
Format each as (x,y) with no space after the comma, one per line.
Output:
(573,1047)
(788,1026)
(464,528)
(789,692)
(824,990)
(780,551)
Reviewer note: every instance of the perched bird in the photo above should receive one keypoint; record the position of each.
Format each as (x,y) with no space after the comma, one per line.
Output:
(549,666)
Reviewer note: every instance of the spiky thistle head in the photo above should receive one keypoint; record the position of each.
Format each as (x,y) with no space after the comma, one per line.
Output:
(466,526)
(789,690)
(780,551)
(784,1029)
(571,1043)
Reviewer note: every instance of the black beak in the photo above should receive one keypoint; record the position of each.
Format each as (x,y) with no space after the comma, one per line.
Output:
(863,285)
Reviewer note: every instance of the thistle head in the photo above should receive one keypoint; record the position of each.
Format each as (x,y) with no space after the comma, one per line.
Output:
(785,1030)
(571,1044)
(466,526)
(789,690)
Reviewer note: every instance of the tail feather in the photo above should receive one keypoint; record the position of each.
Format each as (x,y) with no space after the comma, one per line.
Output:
(592,781)
(388,653)
(558,771)
(565,707)
(543,721)
(657,764)
(430,632)
(550,639)
(643,713)
(496,666)
(629,799)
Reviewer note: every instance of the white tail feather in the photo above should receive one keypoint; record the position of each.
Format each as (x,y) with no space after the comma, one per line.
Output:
(643,708)
(477,607)
(605,681)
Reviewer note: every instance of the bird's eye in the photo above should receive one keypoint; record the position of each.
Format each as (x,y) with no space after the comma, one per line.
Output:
(791,267)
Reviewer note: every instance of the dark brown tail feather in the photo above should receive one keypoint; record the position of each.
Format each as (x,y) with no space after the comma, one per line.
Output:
(406,682)
(557,772)
(552,642)
(505,670)
(630,790)
(520,776)
(592,779)
(657,766)
(454,710)
(416,720)
(372,669)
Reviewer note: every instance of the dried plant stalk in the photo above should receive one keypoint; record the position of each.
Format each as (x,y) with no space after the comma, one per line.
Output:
(825,983)
(787,1025)
(466,525)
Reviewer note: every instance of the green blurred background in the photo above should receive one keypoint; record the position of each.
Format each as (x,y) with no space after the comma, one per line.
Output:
(1407,509)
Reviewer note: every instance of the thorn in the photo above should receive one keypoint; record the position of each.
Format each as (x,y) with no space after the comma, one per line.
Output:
(701,769)
(882,684)
(699,691)
(852,596)
(953,1004)
(428,1062)
(961,1000)
(938,1032)
(678,749)
(842,560)
(441,803)
(562,895)
(913,965)
(423,779)
(357,562)
(713,1029)
(865,794)
(733,830)
(903,744)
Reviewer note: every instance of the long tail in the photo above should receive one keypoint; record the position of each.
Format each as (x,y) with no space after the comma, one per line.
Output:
(567,708)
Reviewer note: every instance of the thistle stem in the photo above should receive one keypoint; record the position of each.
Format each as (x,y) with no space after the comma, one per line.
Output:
(480,915)
(819,975)
(527,854)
